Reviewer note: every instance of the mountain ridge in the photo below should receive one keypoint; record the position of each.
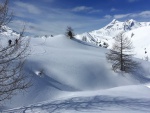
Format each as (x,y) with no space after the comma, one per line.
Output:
(102,35)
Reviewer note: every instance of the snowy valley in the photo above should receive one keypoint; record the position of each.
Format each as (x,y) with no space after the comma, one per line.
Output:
(74,76)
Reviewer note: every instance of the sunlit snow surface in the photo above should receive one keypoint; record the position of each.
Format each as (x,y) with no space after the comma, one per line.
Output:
(71,76)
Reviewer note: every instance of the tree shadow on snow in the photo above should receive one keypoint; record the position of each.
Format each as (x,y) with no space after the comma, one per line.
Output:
(141,75)
(90,104)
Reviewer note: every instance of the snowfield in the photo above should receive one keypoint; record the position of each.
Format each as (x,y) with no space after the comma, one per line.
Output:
(72,76)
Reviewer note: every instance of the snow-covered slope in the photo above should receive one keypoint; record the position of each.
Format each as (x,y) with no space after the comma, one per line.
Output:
(140,39)
(59,67)
(59,64)
(72,76)
(104,36)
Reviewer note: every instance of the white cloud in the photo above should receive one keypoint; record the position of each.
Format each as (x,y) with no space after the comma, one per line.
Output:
(143,14)
(107,16)
(48,0)
(119,16)
(113,9)
(53,22)
(81,8)
(56,20)
(131,1)
(86,9)
(27,7)
(95,11)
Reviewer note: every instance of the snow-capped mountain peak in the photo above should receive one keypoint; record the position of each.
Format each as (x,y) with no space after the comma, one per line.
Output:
(114,21)
(101,36)
(126,26)
(111,24)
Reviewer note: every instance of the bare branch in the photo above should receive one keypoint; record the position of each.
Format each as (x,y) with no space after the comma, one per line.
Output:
(12,59)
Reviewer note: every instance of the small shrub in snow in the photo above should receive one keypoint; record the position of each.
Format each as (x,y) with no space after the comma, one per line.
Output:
(69,32)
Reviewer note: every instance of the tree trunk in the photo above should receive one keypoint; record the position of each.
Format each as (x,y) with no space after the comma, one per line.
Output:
(121,59)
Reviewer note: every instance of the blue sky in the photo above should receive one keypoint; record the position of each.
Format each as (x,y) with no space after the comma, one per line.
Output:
(46,17)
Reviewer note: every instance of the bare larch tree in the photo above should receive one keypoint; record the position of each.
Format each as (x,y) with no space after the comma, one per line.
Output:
(12,58)
(121,54)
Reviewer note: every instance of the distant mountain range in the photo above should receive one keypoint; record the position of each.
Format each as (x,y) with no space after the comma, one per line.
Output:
(102,36)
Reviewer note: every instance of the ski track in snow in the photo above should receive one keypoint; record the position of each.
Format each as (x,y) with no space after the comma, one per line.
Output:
(96,104)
